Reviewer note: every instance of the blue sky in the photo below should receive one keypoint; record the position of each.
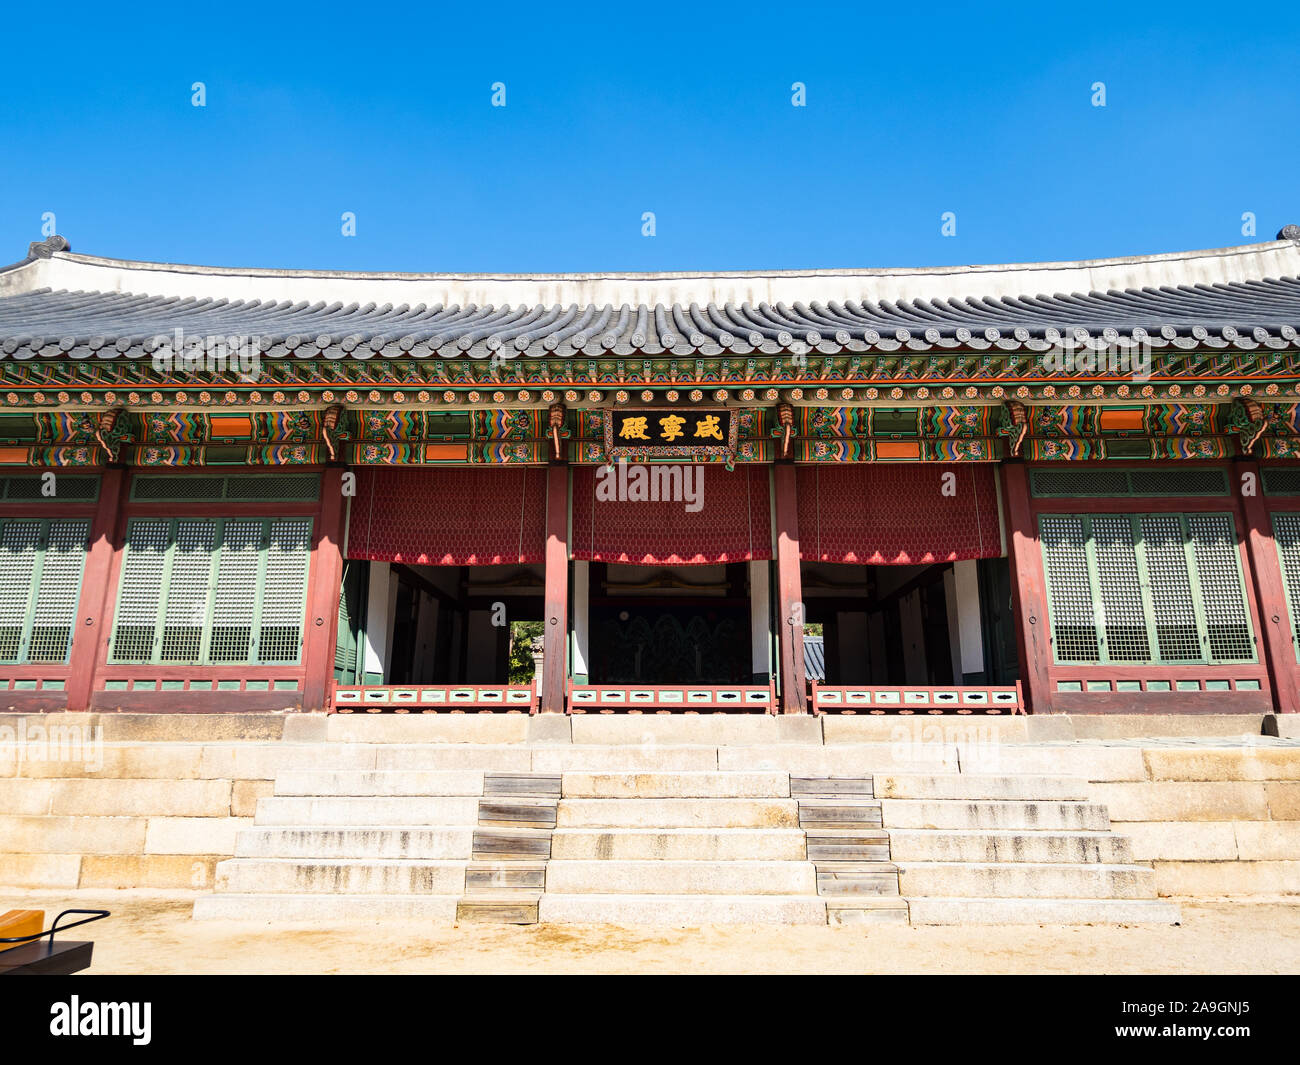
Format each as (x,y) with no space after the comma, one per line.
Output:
(613,110)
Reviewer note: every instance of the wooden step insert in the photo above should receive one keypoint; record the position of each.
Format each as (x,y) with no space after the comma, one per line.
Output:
(489,878)
(512,844)
(847,845)
(837,879)
(505,880)
(518,813)
(840,813)
(832,788)
(521,785)
(498,909)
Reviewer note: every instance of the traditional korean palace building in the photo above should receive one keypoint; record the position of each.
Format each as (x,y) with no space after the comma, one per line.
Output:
(1051,487)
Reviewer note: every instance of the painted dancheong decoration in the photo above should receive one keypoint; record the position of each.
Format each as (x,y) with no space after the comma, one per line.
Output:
(977,490)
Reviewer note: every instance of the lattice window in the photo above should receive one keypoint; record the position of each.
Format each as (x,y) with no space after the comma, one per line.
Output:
(41,565)
(1281,480)
(1123,617)
(286,576)
(1165,588)
(1074,621)
(1174,612)
(189,584)
(1218,566)
(1286,533)
(234,603)
(1182,482)
(213,590)
(213,488)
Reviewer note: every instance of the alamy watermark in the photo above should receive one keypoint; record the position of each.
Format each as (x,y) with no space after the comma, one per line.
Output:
(1113,358)
(640,483)
(38,742)
(217,354)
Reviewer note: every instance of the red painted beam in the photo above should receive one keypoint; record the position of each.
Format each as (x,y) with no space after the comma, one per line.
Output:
(1270,589)
(555,638)
(1028,590)
(91,628)
(324,581)
(794,697)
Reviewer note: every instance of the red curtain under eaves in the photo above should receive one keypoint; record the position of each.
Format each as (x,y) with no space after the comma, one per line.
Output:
(733,524)
(898,514)
(451,516)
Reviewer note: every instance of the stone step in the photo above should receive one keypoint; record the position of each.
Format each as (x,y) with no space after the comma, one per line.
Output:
(866,909)
(678,813)
(671,877)
(307,812)
(379,782)
(635,785)
(512,844)
(832,788)
(370,841)
(979,845)
(635,758)
(838,879)
(437,909)
(1025,880)
(372,876)
(703,844)
(1033,816)
(512,907)
(515,785)
(978,786)
(681,910)
(491,877)
(519,812)
(1041,911)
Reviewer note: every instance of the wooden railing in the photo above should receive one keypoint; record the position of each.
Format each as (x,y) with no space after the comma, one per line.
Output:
(943,699)
(684,698)
(434,698)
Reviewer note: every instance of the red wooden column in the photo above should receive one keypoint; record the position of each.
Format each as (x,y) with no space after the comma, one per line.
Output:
(92,620)
(1028,590)
(1269,585)
(555,638)
(321,632)
(794,697)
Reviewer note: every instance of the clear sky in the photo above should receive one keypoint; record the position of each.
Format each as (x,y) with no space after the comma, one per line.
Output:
(618,109)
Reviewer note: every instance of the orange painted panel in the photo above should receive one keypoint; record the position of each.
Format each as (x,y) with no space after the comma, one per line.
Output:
(1114,420)
(445,452)
(898,449)
(231,425)
(13,455)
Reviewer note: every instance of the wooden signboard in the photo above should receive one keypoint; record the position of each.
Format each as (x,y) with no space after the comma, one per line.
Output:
(670,432)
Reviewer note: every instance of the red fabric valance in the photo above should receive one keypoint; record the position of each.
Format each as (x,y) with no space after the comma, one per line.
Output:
(449,516)
(897,514)
(733,524)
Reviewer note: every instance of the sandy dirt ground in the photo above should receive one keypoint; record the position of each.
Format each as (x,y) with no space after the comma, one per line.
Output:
(151,933)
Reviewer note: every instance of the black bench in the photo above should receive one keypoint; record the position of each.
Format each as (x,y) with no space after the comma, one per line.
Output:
(38,954)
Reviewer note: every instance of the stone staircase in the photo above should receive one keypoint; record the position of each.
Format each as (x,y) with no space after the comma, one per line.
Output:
(1011,849)
(681,847)
(849,847)
(512,845)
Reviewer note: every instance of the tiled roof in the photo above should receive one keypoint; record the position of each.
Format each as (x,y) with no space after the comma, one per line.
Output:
(1244,312)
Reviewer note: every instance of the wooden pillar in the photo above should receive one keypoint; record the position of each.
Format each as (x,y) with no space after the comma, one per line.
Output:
(91,630)
(321,632)
(794,698)
(1269,586)
(1028,590)
(556,614)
